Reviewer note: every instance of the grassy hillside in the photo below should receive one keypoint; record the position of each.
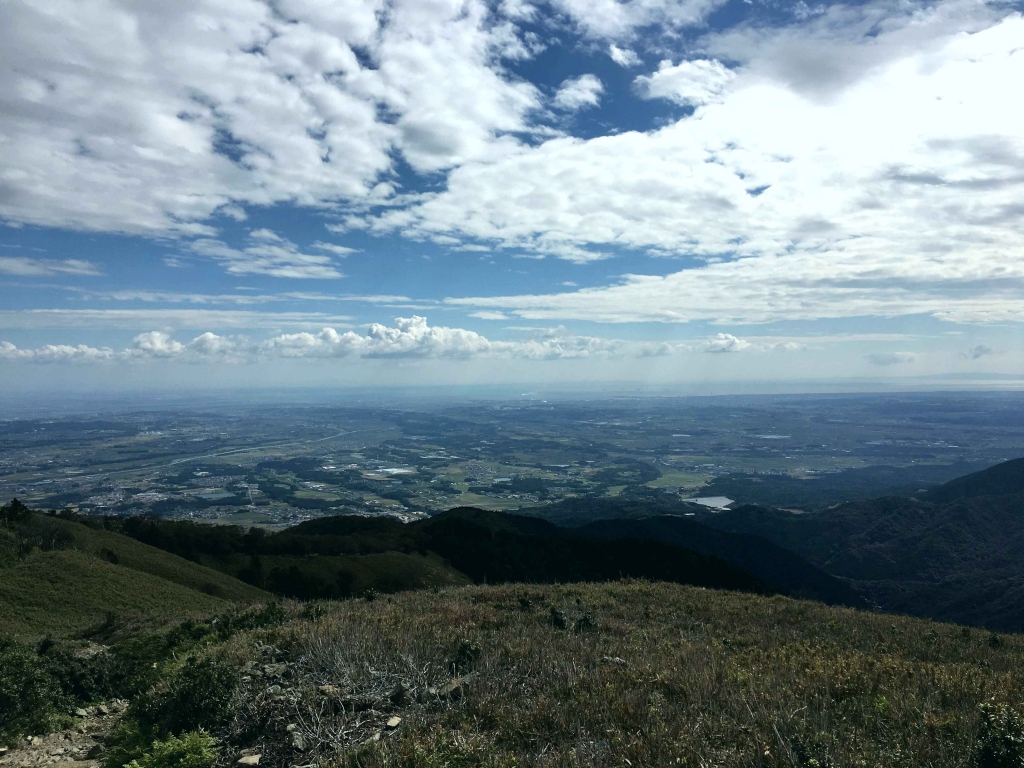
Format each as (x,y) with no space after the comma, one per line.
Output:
(613,674)
(65,592)
(58,575)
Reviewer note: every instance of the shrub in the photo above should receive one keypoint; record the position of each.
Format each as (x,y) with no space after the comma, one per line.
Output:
(192,750)
(30,699)
(197,695)
(84,679)
(1000,742)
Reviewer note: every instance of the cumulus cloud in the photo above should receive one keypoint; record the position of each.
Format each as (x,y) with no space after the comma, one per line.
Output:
(724,342)
(24,266)
(891,358)
(689,83)
(579,93)
(56,353)
(410,337)
(624,57)
(148,117)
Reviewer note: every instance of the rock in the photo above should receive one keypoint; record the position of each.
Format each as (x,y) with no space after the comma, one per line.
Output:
(291,727)
(3,751)
(95,752)
(274,690)
(455,688)
(81,713)
(103,709)
(35,741)
(250,760)
(614,660)
(372,740)
(275,670)
(329,690)
(298,741)
(394,722)
(401,695)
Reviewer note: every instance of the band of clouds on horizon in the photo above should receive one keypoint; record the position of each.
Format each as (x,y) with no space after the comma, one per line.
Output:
(410,337)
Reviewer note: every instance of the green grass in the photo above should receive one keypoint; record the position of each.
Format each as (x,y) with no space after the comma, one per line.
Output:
(706,678)
(65,592)
(82,574)
(606,675)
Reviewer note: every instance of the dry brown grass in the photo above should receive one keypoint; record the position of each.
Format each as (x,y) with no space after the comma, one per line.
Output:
(667,675)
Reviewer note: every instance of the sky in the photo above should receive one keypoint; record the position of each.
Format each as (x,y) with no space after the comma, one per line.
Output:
(241,193)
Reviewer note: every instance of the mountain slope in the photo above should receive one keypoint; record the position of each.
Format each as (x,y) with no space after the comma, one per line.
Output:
(627,673)
(788,572)
(1001,480)
(959,559)
(59,575)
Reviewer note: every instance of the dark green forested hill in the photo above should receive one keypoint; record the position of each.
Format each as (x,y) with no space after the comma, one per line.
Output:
(345,556)
(957,554)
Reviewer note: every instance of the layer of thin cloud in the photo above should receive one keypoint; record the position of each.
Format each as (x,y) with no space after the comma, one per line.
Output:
(192,319)
(891,358)
(25,266)
(579,93)
(267,253)
(408,338)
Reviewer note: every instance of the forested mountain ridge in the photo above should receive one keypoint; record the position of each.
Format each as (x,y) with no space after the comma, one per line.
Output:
(954,554)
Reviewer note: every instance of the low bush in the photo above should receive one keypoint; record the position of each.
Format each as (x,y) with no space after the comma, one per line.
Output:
(192,750)
(30,699)
(1000,741)
(197,696)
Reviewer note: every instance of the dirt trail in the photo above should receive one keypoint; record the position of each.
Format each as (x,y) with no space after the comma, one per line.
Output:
(76,747)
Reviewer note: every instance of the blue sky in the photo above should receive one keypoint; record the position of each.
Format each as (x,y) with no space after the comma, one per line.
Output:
(438,191)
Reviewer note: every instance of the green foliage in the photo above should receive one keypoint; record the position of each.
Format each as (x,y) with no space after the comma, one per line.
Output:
(85,678)
(198,695)
(1000,742)
(30,698)
(192,750)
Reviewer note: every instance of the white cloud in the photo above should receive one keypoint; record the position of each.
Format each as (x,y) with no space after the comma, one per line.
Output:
(148,117)
(56,353)
(897,194)
(724,342)
(489,315)
(891,358)
(24,266)
(690,83)
(579,93)
(410,337)
(270,254)
(337,250)
(619,19)
(624,57)
(133,319)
